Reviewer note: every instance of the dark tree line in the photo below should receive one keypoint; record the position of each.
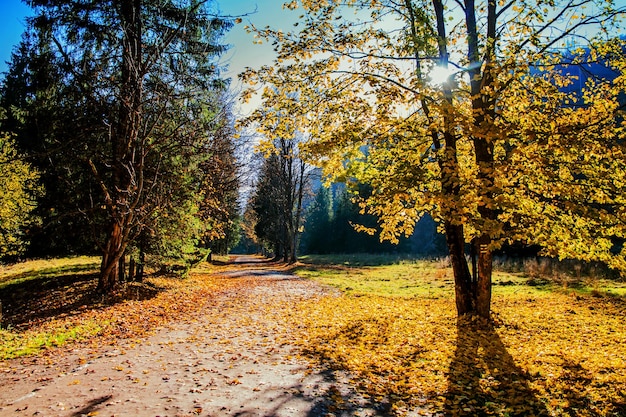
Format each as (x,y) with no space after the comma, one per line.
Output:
(288,214)
(332,217)
(122,108)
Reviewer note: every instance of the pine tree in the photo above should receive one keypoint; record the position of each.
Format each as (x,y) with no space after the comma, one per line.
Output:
(136,93)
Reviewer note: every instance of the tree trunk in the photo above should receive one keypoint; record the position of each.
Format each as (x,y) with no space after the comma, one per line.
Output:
(483,107)
(131,269)
(109,268)
(298,212)
(463,288)
(122,195)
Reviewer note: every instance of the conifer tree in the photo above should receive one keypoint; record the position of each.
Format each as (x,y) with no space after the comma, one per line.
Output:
(139,91)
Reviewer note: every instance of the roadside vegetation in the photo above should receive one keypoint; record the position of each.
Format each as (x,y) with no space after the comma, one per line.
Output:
(555,346)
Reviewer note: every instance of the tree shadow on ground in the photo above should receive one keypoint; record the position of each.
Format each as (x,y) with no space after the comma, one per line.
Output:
(91,408)
(30,300)
(483,378)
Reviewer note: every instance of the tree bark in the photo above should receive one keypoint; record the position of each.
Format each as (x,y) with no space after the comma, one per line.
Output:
(463,291)
(298,211)
(483,107)
(123,139)
(109,267)
(464,287)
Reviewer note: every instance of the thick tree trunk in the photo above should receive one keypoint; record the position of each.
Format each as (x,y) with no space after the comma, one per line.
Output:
(122,195)
(483,106)
(109,268)
(463,290)
(472,291)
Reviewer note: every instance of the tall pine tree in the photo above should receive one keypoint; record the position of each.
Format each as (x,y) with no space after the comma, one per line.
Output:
(130,113)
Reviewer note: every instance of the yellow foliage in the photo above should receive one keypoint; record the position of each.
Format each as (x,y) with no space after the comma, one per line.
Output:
(18,192)
(503,149)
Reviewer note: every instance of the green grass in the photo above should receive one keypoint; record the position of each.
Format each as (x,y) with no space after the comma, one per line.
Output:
(15,345)
(357,259)
(46,268)
(406,279)
(37,289)
(402,276)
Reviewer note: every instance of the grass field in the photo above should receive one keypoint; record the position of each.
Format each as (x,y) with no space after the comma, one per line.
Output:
(556,348)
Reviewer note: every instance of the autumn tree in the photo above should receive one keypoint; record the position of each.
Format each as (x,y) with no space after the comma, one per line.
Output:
(249,241)
(141,83)
(19,187)
(221,173)
(462,109)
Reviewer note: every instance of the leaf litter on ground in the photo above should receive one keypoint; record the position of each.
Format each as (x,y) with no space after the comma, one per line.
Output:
(547,352)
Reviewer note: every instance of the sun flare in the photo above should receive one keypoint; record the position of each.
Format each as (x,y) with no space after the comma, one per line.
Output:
(439,75)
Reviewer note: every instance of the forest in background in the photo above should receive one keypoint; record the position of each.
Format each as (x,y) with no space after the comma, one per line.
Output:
(119,137)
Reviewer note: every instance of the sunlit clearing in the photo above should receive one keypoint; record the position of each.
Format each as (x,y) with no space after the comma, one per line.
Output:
(439,75)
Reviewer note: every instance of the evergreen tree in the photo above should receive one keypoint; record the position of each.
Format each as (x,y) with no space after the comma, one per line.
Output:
(44,113)
(129,115)
(317,225)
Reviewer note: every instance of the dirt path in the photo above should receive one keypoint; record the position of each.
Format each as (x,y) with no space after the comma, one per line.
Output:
(227,362)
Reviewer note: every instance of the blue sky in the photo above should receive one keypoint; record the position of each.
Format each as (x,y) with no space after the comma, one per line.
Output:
(11,27)
(243,52)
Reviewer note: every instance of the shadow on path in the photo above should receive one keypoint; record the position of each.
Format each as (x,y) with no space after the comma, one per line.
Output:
(92,407)
(484,380)
(320,394)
